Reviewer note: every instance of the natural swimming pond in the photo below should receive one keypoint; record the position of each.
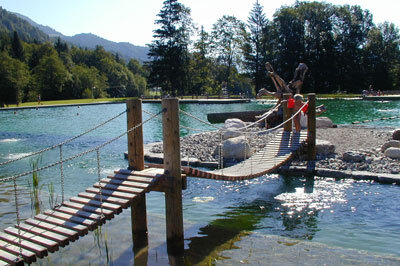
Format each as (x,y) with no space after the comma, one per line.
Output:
(268,220)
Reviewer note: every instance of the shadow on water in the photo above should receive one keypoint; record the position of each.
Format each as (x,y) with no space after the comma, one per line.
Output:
(204,244)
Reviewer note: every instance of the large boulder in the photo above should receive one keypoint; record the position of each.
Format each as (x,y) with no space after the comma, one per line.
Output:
(351,156)
(393,153)
(324,147)
(323,122)
(396,134)
(235,148)
(389,144)
(230,126)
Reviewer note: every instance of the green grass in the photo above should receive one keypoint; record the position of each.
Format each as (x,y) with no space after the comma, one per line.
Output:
(73,101)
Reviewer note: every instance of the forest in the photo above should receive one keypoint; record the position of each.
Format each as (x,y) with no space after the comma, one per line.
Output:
(344,50)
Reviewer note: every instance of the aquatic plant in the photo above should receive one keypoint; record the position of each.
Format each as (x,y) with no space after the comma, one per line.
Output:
(52,201)
(35,185)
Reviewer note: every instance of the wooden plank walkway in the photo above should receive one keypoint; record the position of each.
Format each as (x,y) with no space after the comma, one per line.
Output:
(276,153)
(55,228)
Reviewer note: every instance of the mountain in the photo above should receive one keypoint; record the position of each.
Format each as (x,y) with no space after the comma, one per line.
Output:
(10,22)
(84,40)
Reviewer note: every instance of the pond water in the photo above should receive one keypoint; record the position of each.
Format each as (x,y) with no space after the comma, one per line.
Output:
(283,220)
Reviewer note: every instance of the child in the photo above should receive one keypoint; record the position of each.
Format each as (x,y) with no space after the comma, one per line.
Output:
(298,103)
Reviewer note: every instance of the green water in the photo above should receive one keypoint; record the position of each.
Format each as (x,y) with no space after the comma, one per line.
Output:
(269,220)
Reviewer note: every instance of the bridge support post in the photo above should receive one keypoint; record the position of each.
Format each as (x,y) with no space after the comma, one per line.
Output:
(172,167)
(136,162)
(312,129)
(287,113)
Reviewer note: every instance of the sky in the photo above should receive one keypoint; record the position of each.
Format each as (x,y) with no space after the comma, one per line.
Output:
(133,20)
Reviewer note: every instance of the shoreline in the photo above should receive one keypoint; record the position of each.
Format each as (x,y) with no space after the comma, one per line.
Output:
(364,140)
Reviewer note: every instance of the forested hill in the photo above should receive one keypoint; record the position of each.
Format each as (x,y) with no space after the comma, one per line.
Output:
(29,30)
(10,22)
(89,40)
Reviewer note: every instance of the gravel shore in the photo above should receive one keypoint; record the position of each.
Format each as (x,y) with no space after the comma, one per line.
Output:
(359,139)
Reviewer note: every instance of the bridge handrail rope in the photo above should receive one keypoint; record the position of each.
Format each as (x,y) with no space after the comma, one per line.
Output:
(236,130)
(64,142)
(2,180)
(239,131)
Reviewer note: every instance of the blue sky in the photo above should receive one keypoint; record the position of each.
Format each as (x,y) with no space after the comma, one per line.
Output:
(133,20)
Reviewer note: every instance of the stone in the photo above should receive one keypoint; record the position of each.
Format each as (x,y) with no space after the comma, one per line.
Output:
(396,134)
(230,126)
(389,144)
(351,156)
(235,148)
(324,147)
(393,153)
(324,122)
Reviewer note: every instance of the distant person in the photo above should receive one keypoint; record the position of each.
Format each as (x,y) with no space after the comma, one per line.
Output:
(38,99)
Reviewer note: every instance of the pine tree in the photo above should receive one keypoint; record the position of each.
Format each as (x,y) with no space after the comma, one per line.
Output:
(169,49)
(255,47)
(17,48)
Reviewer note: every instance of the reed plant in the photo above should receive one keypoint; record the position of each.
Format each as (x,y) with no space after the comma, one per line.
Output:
(34,184)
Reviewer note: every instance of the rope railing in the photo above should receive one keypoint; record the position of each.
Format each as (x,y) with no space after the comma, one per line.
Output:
(2,180)
(62,143)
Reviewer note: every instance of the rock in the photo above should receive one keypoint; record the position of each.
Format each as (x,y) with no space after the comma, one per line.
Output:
(235,148)
(231,125)
(324,147)
(396,134)
(389,144)
(351,156)
(393,153)
(323,122)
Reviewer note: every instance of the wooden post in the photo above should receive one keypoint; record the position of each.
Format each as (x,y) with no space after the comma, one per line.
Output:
(136,162)
(311,127)
(172,167)
(287,113)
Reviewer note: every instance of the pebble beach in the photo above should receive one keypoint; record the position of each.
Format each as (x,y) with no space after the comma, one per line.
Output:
(365,141)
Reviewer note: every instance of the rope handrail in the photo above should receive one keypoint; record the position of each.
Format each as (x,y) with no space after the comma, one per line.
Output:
(245,132)
(62,143)
(2,180)
(236,130)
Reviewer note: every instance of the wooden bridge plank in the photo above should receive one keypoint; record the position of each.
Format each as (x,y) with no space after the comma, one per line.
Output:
(60,239)
(71,234)
(51,245)
(120,188)
(112,193)
(124,203)
(91,224)
(81,229)
(81,213)
(125,183)
(27,255)
(107,213)
(150,172)
(106,205)
(39,250)
(143,179)
(10,259)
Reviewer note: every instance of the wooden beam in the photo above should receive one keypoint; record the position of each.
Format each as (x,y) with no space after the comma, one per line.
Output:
(136,162)
(172,167)
(311,127)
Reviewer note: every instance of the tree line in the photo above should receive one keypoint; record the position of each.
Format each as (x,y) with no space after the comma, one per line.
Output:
(46,71)
(344,50)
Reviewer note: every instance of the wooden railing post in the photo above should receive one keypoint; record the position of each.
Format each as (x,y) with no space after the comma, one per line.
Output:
(136,162)
(311,127)
(172,167)
(287,113)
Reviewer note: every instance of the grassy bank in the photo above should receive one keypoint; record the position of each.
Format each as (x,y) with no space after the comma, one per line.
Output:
(100,100)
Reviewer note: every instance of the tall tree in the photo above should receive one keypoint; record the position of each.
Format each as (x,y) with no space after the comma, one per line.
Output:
(169,49)
(255,46)
(226,40)
(17,48)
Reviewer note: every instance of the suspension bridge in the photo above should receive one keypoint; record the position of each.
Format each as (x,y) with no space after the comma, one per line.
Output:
(37,236)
